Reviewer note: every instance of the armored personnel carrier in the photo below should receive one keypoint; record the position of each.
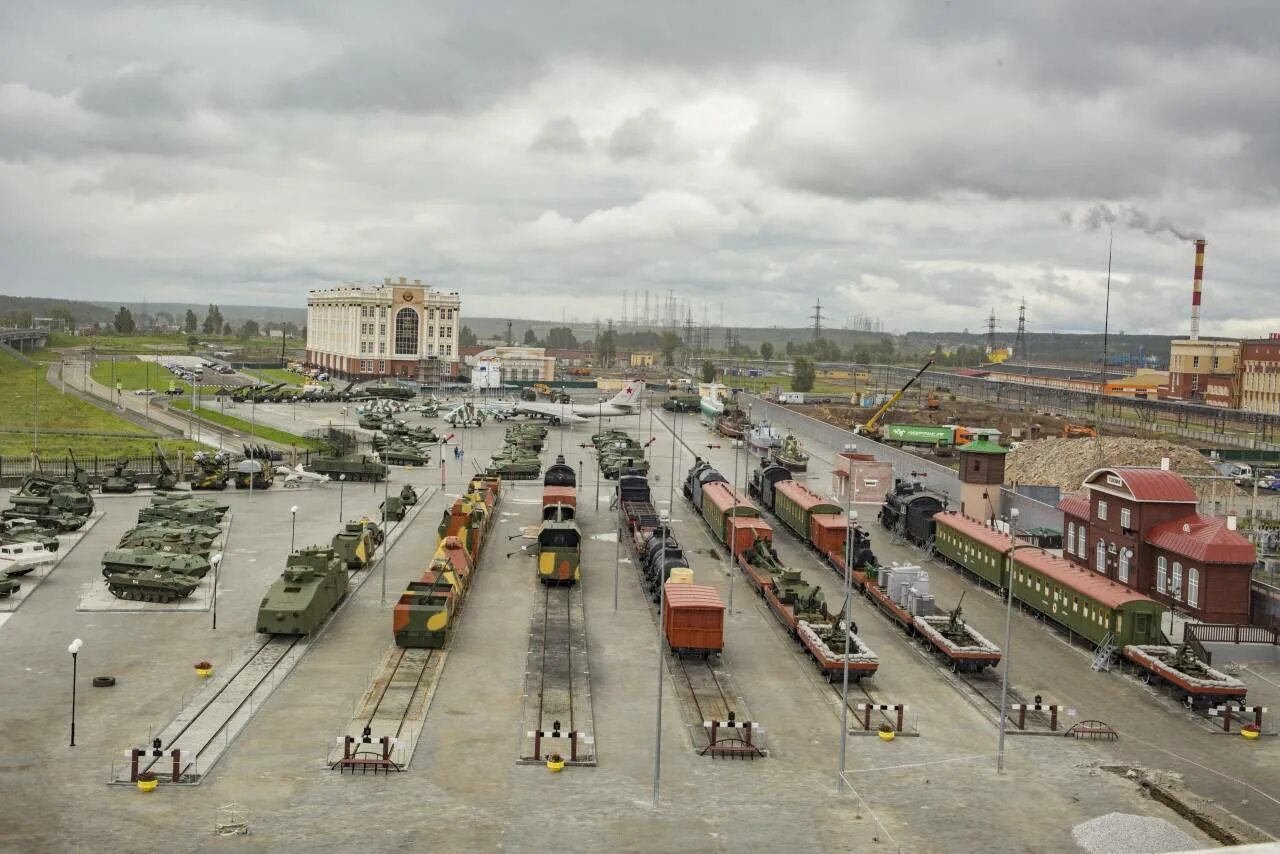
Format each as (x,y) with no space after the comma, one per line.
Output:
(150,585)
(185,514)
(523,468)
(313,582)
(357,542)
(119,560)
(170,499)
(121,479)
(404,454)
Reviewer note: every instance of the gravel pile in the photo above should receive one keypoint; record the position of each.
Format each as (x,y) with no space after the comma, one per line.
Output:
(1121,833)
(1065,463)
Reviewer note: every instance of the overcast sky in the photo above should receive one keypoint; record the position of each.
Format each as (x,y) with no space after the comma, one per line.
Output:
(921,162)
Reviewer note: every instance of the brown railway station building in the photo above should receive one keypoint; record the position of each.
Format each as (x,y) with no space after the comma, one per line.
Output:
(1140,527)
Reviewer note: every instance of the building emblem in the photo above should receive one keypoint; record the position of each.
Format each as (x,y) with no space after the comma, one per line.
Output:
(408,296)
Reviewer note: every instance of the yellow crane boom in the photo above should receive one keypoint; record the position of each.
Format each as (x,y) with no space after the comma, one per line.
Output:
(873,423)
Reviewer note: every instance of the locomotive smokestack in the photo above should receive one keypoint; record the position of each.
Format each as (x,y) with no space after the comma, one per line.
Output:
(1197,285)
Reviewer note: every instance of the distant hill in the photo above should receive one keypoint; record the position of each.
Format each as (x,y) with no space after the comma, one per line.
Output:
(233,314)
(84,312)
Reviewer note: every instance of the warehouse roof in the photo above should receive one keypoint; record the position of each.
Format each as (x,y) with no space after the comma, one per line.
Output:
(1075,504)
(1143,484)
(1085,582)
(1205,539)
(803,495)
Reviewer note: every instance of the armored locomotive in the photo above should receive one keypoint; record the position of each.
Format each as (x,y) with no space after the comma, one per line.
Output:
(313,582)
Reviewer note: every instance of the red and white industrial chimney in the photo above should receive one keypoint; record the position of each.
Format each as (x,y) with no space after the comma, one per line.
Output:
(1197,285)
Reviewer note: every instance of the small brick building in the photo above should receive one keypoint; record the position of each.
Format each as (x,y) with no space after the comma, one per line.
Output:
(868,477)
(1140,528)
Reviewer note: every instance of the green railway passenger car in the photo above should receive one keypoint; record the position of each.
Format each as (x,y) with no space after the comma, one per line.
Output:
(795,505)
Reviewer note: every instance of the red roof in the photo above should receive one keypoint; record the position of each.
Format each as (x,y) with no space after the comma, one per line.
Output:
(724,496)
(973,528)
(753,522)
(692,596)
(802,495)
(1201,538)
(1086,582)
(1147,484)
(830,520)
(1075,504)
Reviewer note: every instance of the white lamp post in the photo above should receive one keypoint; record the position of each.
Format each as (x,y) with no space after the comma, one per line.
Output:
(665,519)
(74,649)
(293,526)
(216,560)
(342,480)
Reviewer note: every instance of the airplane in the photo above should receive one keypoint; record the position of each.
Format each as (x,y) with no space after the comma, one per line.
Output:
(625,402)
(294,476)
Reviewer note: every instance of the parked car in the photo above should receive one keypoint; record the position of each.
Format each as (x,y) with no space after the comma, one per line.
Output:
(146,392)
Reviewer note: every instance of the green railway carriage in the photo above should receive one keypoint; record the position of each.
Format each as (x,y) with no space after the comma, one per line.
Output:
(1084,602)
(720,501)
(795,505)
(971,545)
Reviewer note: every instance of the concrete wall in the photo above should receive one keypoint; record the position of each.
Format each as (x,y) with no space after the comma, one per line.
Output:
(1032,513)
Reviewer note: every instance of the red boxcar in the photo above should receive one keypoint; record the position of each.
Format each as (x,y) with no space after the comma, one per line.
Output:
(565,495)
(745,530)
(693,618)
(827,532)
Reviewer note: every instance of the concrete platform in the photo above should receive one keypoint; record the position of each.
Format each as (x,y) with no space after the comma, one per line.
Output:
(32,580)
(557,715)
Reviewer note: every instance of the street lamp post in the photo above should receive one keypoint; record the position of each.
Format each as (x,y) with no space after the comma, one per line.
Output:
(675,448)
(665,519)
(293,526)
(216,560)
(1008,638)
(342,480)
(74,649)
(848,631)
(386,553)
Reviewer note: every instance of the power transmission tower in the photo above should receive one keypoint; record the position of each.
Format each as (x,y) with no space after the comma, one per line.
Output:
(1020,343)
(817,320)
(991,332)
(510,341)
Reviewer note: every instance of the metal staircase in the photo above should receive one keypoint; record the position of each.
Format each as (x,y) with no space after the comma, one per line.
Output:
(1106,651)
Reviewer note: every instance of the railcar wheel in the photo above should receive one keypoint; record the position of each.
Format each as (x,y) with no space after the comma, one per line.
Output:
(1146,676)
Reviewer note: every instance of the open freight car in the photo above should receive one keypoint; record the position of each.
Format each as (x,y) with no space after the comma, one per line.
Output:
(654,547)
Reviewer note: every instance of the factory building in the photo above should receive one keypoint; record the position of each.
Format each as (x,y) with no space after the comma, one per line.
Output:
(404,330)
(1260,375)
(1139,527)
(515,364)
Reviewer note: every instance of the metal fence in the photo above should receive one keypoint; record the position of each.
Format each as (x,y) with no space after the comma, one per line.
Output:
(14,469)
(1231,633)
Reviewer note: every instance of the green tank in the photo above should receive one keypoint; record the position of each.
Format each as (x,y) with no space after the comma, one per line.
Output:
(357,543)
(514,469)
(358,467)
(119,560)
(313,582)
(180,513)
(402,454)
(121,479)
(150,585)
(171,540)
(408,495)
(186,499)
(804,598)
(371,421)
(606,436)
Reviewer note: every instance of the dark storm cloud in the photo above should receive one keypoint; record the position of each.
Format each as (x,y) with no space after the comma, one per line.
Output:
(643,135)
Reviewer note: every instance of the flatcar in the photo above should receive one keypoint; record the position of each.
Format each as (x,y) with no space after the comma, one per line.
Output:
(909,509)
(1083,602)
(801,609)
(312,584)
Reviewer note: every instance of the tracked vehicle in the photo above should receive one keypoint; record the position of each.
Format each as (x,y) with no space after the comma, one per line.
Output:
(313,582)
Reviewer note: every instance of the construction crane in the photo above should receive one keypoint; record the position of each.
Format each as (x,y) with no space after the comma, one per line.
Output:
(872,427)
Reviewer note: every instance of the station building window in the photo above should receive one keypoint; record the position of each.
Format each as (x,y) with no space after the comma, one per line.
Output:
(1101,556)
(1102,511)
(1080,550)
(1162,574)
(1122,570)
(1193,587)
(1071,537)
(1125,517)
(1176,582)
(406,332)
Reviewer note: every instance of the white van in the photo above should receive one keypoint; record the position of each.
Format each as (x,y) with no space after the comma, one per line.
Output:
(21,558)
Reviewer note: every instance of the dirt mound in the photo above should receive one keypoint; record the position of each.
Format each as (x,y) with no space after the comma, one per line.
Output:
(1065,463)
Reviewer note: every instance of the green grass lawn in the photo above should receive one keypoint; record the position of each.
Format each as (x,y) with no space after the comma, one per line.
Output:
(133,374)
(269,433)
(276,375)
(766,383)
(18,383)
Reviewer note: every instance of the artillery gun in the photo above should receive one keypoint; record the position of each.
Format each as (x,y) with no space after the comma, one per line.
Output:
(167,478)
(121,479)
(119,560)
(255,471)
(149,585)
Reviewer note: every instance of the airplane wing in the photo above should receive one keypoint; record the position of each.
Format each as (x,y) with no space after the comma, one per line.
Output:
(561,411)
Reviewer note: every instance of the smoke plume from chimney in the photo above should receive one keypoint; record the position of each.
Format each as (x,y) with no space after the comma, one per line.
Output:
(1129,216)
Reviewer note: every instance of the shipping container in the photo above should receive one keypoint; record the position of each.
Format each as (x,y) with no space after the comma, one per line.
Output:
(693,618)
(919,434)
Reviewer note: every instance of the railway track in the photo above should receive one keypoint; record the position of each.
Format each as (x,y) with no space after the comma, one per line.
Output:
(197,730)
(558,716)
(400,693)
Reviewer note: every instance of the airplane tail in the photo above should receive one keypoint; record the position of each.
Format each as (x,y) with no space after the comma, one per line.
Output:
(630,394)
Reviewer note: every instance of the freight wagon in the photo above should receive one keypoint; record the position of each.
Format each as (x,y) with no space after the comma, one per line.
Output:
(693,619)
(654,547)
(1085,603)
